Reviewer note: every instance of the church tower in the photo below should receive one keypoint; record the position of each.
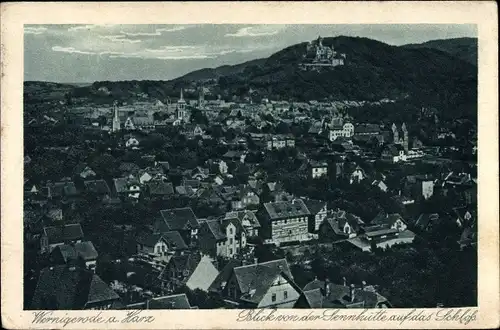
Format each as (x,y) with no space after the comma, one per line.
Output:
(201,98)
(181,107)
(395,134)
(116,118)
(405,137)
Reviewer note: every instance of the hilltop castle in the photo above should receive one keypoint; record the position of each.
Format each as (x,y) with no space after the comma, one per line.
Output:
(318,54)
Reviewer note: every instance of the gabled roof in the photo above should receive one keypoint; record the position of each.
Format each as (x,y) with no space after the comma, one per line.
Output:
(97,186)
(84,250)
(122,184)
(338,296)
(387,219)
(247,218)
(214,228)
(221,280)
(160,188)
(314,206)
(203,275)
(59,189)
(425,218)
(72,288)
(179,219)
(172,238)
(255,280)
(176,301)
(59,234)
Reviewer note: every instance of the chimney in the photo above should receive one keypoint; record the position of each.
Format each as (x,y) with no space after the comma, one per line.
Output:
(345,281)
(255,261)
(326,289)
(147,303)
(351,295)
(363,285)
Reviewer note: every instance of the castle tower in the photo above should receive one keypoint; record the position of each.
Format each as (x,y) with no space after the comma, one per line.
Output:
(116,119)
(395,134)
(405,137)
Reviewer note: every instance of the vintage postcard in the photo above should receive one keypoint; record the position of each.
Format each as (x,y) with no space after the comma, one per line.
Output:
(249,165)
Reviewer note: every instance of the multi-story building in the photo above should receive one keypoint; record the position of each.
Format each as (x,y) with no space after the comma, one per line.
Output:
(284,222)
(346,130)
(224,237)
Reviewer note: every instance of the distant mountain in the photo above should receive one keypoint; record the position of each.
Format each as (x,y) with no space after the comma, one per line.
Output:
(207,74)
(373,70)
(463,48)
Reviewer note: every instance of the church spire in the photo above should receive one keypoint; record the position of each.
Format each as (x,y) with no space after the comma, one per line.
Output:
(182,96)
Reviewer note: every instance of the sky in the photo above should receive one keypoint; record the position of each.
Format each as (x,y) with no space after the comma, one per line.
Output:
(88,53)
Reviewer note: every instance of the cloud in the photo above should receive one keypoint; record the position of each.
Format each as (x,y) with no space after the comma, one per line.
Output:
(175,28)
(34,30)
(88,27)
(71,50)
(120,38)
(257,31)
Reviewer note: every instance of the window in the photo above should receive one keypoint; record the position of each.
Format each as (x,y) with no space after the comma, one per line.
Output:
(231,231)
(158,249)
(230,251)
(285,295)
(164,248)
(273,297)
(230,241)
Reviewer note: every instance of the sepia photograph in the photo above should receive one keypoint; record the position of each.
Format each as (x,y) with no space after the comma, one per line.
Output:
(249,165)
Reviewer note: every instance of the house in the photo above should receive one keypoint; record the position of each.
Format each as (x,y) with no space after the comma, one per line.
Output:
(70,253)
(161,244)
(224,237)
(97,187)
(357,175)
(367,130)
(318,212)
(339,225)
(245,197)
(129,169)
(182,220)
(418,186)
(383,232)
(466,220)
(260,285)
(380,184)
(191,270)
(84,171)
(394,153)
(203,275)
(346,130)
(58,235)
(132,142)
(159,189)
(64,189)
(279,141)
(248,220)
(235,156)
(323,294)
(175,301)
(127,187)
(148,174)
(285,221)
(318,169)
(67,287)
(427,221)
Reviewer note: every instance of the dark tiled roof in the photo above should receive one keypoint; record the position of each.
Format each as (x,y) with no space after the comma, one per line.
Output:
(338,296)
(172,238)
(254,280)
(278,210)
(122,184)
(63,287)
(58,234)
(425,218)
(84,250)
(160,188)
(314,206)
(179,219)
(97,186)
(177,301)
(59,189)
(224,275)
(215,229)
